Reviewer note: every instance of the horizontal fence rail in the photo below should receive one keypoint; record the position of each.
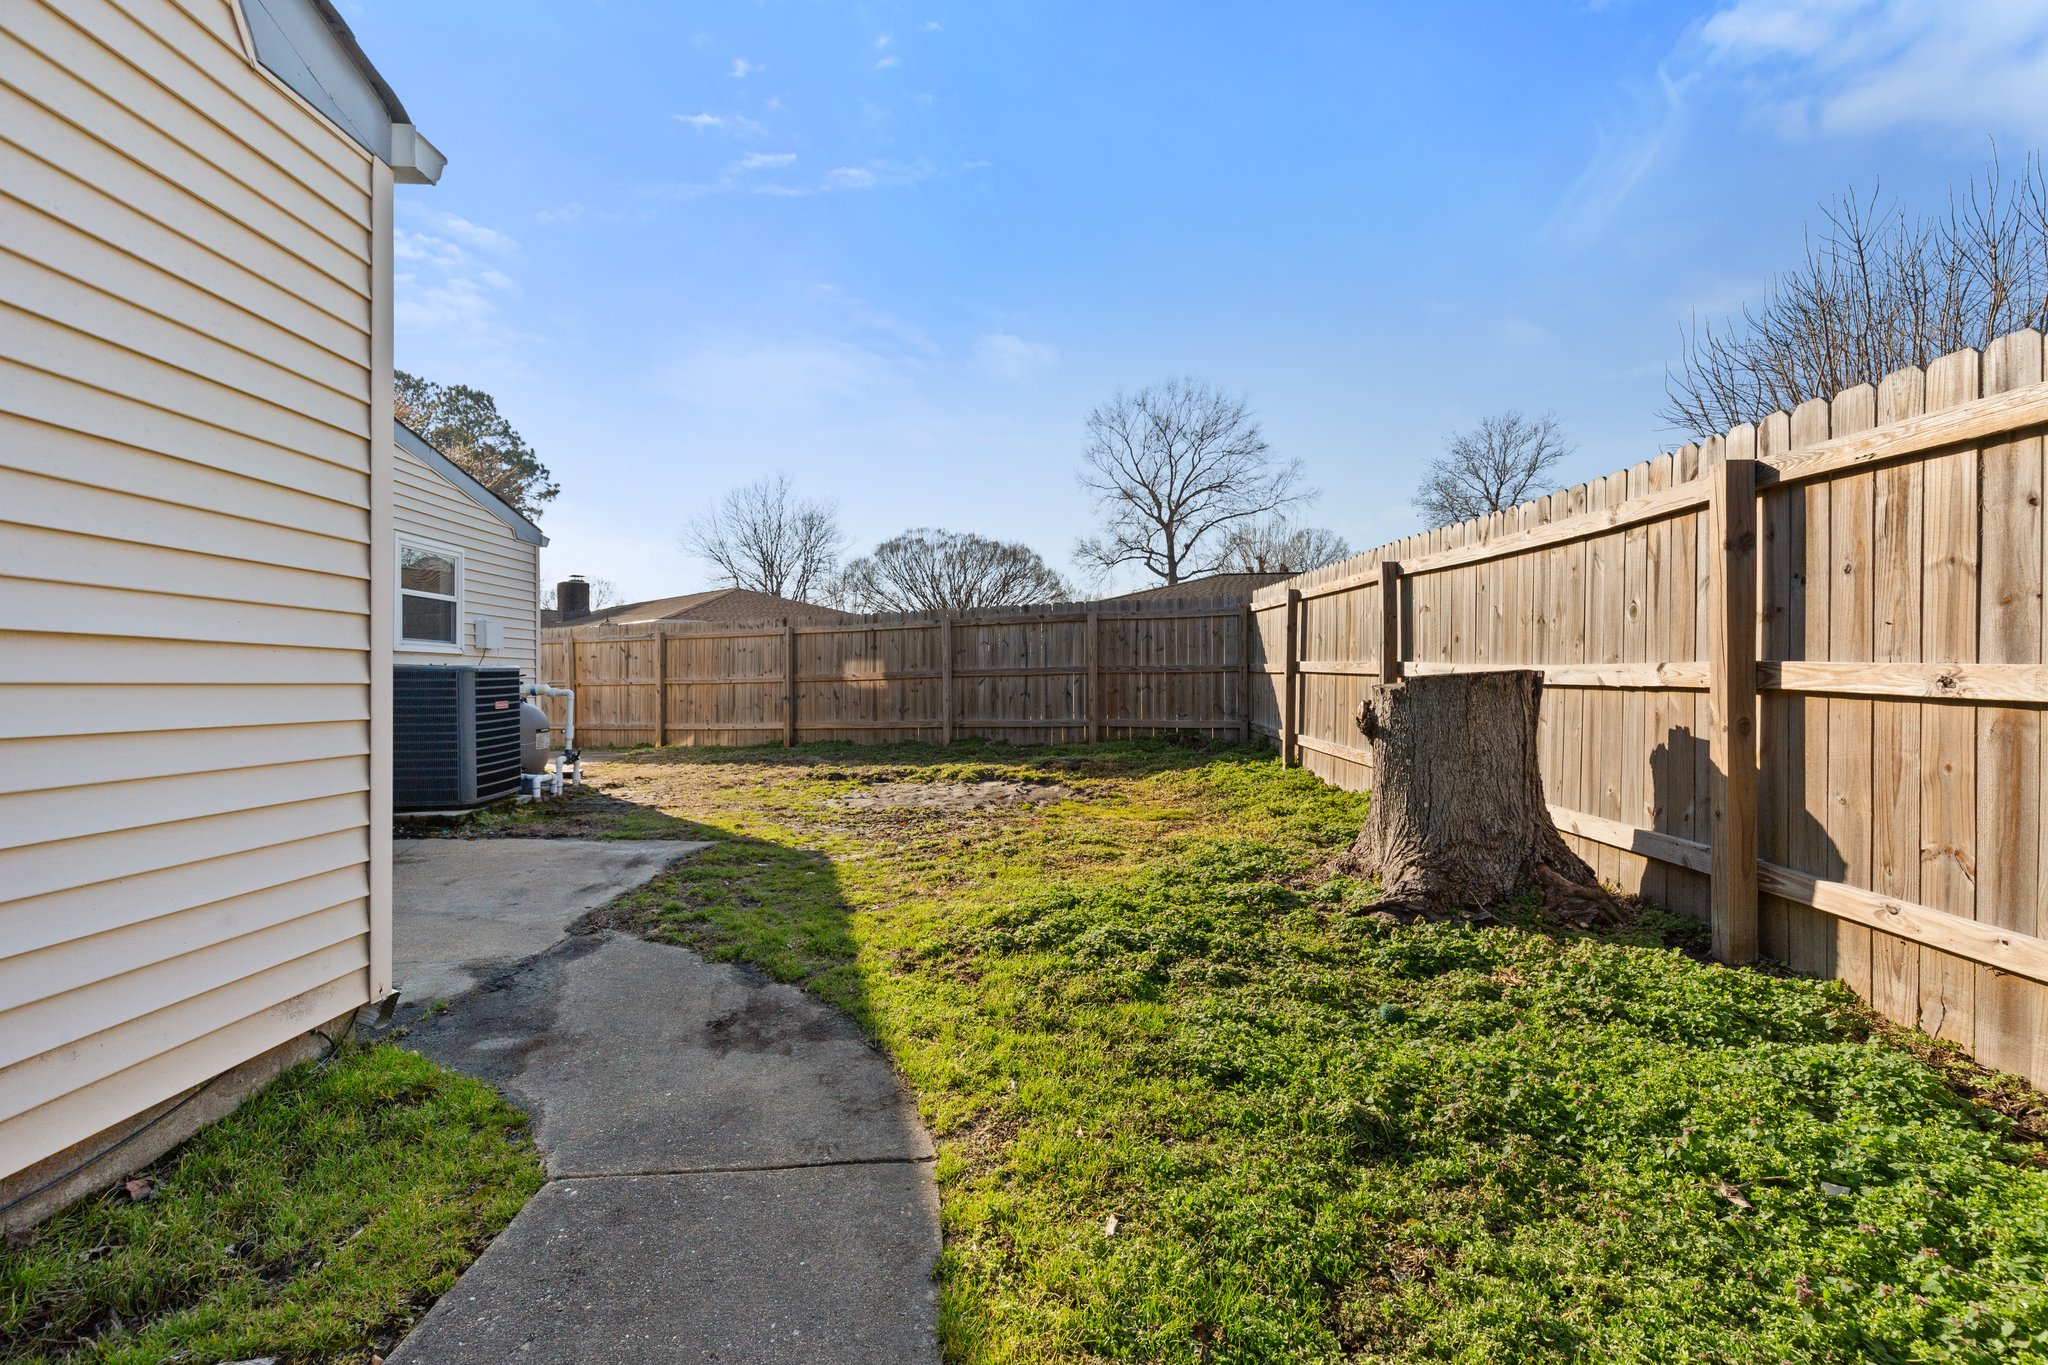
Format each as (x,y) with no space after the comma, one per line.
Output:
(1795,682)
(1057,675)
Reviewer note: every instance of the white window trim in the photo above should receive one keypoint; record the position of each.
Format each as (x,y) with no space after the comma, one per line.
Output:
(399,640)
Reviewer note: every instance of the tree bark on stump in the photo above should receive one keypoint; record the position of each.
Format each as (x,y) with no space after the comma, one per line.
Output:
(1458,822)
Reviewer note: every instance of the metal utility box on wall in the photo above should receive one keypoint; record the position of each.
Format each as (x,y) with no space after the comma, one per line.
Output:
(455,736)
(490,634)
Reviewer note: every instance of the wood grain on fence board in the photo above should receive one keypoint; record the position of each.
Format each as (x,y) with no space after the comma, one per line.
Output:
(2009,737)
(1895,725)
(1948,773)
(1810,935)
(1852,507)
(1636,748)
(1780,726)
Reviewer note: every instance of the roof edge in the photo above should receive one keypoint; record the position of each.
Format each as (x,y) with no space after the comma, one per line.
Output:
(423,450)
(310,48)
(346,36)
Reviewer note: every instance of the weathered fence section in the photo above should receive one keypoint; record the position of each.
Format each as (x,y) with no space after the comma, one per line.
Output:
(1054,675)
(1794,682)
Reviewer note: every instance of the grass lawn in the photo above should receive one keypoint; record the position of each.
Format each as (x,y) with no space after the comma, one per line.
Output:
(1194,1104)
(316,1223)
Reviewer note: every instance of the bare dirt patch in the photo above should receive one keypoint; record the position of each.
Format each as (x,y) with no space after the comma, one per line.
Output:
(953,797)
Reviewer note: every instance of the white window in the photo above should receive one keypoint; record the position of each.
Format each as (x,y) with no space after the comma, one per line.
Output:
(429,597)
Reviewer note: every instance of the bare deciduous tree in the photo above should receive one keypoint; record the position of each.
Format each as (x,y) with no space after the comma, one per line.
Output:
(1277,545)
(931,570)
(764,537)
(1878,291)
(1490,468)
(1174,467)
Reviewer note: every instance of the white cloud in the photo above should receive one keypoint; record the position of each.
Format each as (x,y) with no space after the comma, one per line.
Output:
(1625,152)
(738,123)
(742,68)
(1868,66)
(751,378)
(683,191)
(888,62)
(879,321)
(578,212)
(1521,332)
(1812,68)
(873,175)
(472,234)
(884,41)
(450,290)
(934,26)
(1012,358)
(759,161)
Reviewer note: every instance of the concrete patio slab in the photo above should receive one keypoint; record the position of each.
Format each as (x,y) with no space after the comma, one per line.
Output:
(828,1265)
(464,908)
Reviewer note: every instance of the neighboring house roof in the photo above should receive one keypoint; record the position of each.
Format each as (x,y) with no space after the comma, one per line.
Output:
(730,606)
(1241,585)
(418,446)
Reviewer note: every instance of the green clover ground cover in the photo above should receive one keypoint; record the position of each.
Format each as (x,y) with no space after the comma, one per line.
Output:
(1194,1105)
(314,1224)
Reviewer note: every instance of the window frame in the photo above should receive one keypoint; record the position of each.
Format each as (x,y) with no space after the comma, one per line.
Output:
(400,640)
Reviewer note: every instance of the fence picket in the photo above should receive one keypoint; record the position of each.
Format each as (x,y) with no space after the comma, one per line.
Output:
(1800,696)
(2008,821)
(1948,738)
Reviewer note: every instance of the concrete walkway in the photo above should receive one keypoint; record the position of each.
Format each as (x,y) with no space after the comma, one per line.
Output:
(470,908)
(734,1173)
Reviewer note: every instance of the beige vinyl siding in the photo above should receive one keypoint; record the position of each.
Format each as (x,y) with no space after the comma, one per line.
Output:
(189,630)
(500,572)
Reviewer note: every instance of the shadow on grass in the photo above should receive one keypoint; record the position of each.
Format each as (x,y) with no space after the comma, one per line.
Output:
(1194,1105)
(756,898)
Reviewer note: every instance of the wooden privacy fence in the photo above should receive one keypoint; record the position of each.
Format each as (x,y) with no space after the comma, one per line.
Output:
(1044,676)
(1794,682)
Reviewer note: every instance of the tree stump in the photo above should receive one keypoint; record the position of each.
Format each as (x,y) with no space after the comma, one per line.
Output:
(1458,822)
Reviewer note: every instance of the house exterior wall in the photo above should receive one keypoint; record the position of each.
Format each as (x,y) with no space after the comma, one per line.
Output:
(195,581)
(500,572)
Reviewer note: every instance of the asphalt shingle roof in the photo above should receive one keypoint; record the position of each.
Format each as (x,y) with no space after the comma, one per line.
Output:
(728,606)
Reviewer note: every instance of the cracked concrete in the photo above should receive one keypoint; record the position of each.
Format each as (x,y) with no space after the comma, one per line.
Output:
(735,1173)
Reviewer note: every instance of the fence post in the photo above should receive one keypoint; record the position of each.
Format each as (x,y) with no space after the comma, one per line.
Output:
(1094,704)
(1390,621)
(1291,676)
(945,680)
(788,685)
(1244,672)
(660,685)
(1731,697)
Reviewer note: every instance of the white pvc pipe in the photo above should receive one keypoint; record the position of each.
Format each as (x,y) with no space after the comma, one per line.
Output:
(568,708)
(568,763)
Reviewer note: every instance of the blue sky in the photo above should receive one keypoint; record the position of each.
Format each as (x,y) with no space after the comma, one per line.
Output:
(899,250)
